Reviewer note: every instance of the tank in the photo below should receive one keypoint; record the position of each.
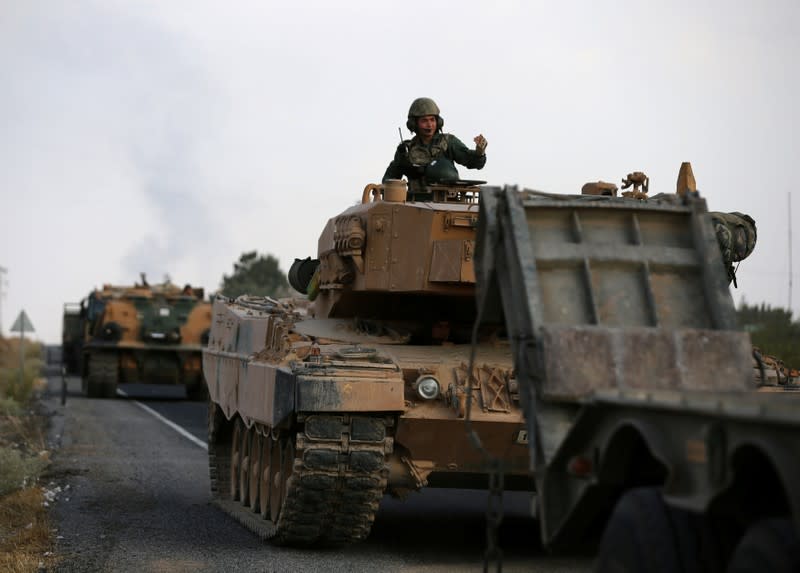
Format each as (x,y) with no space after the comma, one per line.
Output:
(143,333)
(321,405)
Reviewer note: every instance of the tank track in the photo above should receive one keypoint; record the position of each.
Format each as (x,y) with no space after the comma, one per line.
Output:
(103,376)
(339,476)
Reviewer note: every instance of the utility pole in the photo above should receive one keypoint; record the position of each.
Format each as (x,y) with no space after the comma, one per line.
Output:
(790,251)
(3,272)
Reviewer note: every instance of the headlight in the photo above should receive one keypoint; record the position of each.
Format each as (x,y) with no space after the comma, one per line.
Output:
(427,387)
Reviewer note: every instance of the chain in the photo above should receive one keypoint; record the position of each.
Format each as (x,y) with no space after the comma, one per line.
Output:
(494,517)
(494,507)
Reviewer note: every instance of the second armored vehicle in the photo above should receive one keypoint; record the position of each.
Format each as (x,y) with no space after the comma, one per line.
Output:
(140,333)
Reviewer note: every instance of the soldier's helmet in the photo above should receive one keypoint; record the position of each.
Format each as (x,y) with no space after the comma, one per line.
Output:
(420,107)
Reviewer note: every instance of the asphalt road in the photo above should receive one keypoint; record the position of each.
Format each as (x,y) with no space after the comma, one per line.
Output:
(135,497)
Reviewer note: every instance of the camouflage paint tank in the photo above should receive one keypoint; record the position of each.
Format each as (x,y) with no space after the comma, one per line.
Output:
(320,406)
(145,334)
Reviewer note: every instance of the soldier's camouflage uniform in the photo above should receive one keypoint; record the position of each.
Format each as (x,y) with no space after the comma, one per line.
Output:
(432,163)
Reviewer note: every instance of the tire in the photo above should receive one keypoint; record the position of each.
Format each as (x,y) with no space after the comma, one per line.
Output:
(645,535)
(768,545)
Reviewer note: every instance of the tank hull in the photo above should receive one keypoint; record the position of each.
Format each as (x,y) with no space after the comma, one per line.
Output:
(271,379)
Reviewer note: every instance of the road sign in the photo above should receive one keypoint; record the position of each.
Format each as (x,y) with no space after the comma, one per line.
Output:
(22,324)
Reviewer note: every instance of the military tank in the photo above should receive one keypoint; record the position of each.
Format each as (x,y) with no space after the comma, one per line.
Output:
(321,405)
(142,333)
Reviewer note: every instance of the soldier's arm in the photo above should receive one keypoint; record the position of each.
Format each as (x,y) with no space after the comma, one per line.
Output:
(395,169)
(463,155)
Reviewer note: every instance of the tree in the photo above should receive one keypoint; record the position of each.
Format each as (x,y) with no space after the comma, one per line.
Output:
(257,275)
(773,331)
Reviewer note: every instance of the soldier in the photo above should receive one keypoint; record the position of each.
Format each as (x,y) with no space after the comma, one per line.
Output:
(430,155)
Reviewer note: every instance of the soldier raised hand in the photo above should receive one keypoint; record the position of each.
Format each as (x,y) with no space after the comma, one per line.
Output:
(480,144)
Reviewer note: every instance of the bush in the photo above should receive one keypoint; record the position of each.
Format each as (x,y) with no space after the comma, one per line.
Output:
(17,471)
(10,407)
(11,386)
(773,331)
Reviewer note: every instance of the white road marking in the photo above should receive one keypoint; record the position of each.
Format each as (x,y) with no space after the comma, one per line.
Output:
(169,423)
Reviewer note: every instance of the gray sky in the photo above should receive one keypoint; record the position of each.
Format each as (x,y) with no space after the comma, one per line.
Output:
(169,137)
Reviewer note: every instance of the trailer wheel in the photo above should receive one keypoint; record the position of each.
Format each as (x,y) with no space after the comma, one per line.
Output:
(768,545)
(646,535)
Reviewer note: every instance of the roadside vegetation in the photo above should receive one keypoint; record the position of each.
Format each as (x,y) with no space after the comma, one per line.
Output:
(24,527)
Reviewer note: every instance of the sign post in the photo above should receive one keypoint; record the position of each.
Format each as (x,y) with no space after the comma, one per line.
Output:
(20,325)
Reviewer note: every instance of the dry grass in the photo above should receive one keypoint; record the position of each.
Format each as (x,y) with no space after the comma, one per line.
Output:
(18,470)
(24,531)
(20,389)
(28,432)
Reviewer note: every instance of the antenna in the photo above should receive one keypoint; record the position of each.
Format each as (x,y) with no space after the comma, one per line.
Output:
(790,251)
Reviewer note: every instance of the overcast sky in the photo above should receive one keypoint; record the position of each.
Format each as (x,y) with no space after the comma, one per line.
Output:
(170,137)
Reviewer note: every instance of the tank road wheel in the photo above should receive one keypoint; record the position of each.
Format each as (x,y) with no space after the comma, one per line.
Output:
(236,458)
(276,492)
(264,481)
(255,470)
(244,466)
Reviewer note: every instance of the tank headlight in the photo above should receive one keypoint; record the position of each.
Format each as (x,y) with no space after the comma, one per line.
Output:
(427,387)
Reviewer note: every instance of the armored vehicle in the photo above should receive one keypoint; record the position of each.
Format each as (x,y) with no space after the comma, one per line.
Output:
(320,406)
(142,333)
(646,432)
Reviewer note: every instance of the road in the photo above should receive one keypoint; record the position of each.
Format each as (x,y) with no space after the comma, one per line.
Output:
(135,497)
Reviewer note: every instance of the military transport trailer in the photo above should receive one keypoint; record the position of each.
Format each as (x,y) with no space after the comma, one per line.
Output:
(143,333)
(645,430)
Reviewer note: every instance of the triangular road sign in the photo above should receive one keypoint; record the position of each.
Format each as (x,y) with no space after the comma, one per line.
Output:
(22,324)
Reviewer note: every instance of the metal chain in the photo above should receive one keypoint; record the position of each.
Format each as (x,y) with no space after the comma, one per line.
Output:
(494,517)
(494,508)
